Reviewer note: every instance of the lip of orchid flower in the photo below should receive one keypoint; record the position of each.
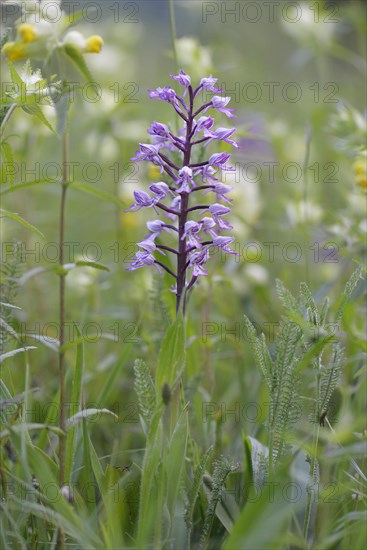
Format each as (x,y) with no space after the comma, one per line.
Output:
(220,190)
(219,159)
(142,259)
(157,226)
(142,200)
(197,259)
(147,152)
(208,84)
(220,103)
(160,189)
(192,230)
(207,174)
(204,123)
(222,134)
(217,211)
(165,94)
(161,134)
(149,245)
(185,180)
(223,243)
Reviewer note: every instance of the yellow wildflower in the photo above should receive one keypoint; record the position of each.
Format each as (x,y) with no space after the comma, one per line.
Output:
(14,51)
(27,32)
(94,44)
(360,171)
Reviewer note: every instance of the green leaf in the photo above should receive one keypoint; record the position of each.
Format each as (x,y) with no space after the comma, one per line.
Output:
(144,388)
(20,186)
(50,343)
(262,521)
(109,384)
(97,193)
(15,77)
(89,414)
(78,59)
(175,460)
(36,111)
(222,468)
(20,220)
(8,354)
(171,360)
(75,401)
(348,290)
(7,154)
(150,507)
(95,265)
(256,454)
(62,104)
(29,426)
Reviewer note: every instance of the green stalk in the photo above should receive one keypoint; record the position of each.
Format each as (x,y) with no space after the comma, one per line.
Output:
(62,424)
(6,118)
(62,274)
(173,33)
(315,442)
(305,196)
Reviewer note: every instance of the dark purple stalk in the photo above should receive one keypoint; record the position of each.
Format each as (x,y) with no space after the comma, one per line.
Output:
(182,252)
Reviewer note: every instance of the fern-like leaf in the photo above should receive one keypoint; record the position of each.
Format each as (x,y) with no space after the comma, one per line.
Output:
(324,311)
(195,487)
(260,351)
(222,468)
(348,290)
(313,313)
(145,391)
(330,379)
(286,297)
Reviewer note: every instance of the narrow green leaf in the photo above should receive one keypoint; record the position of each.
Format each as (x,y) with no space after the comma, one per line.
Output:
(96,192)
(36,111)
(20,220)
(8,354)
(171,359)
(7,154)
(89,414)
(78,59)
(75,401)
(174,462)
(20,186)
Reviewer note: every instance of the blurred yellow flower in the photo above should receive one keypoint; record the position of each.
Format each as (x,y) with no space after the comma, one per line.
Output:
(94,44)
(27,32)
(129,220)
(14,51)
(360,171)
(153,171)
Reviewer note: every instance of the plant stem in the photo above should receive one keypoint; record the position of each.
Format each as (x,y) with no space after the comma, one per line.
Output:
(62,421)
(315,442)
(6,118)
(62,424)
(173,33)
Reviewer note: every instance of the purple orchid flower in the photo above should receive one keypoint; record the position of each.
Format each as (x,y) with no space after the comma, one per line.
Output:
(182,78)
(222,134)
(196,226)
(220,104)
(142,200)
(208,85)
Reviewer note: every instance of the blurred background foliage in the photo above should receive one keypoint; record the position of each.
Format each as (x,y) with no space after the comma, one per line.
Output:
(323,211)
